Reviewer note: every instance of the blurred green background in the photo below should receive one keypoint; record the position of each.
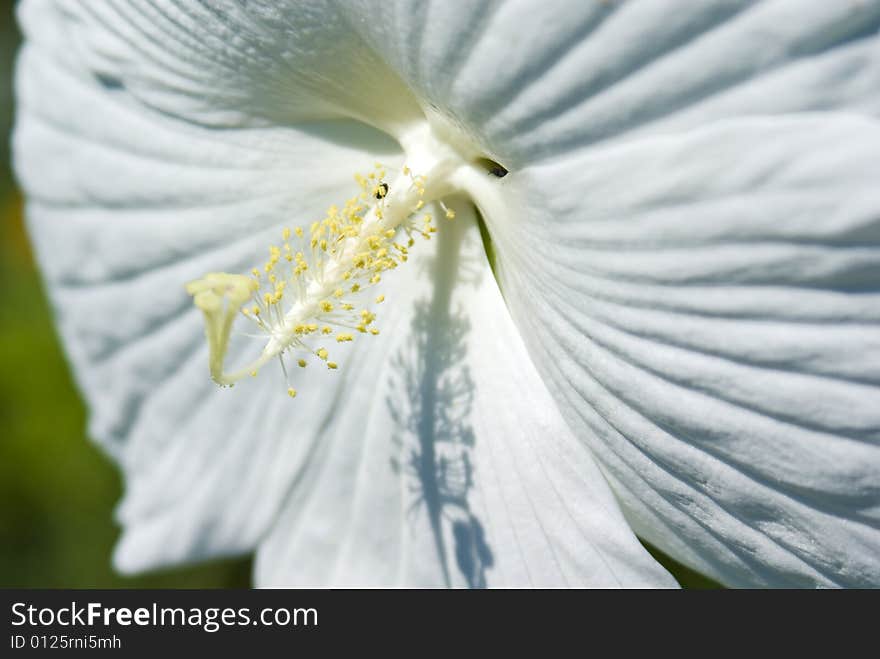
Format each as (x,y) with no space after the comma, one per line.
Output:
(57,491)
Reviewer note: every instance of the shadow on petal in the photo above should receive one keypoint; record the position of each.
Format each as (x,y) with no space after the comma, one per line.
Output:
(431,403)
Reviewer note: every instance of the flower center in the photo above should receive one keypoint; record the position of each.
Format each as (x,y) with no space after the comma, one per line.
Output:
(314,290)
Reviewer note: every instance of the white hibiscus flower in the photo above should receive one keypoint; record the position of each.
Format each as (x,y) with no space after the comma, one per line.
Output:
(687,345)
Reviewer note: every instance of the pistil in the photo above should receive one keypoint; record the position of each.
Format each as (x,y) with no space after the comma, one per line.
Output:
(312,288)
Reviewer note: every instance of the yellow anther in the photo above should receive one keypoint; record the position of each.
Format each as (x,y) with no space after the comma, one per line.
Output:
(253,374)
(351,246)
(450,214)
(291,392)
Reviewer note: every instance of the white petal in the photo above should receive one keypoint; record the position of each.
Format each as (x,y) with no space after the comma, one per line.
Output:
(533,81)
(223,63)
(706,306)
(448,463)
(125,205)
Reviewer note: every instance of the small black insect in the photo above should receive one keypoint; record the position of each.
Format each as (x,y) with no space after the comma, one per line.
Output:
(498,171)
(381,190)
